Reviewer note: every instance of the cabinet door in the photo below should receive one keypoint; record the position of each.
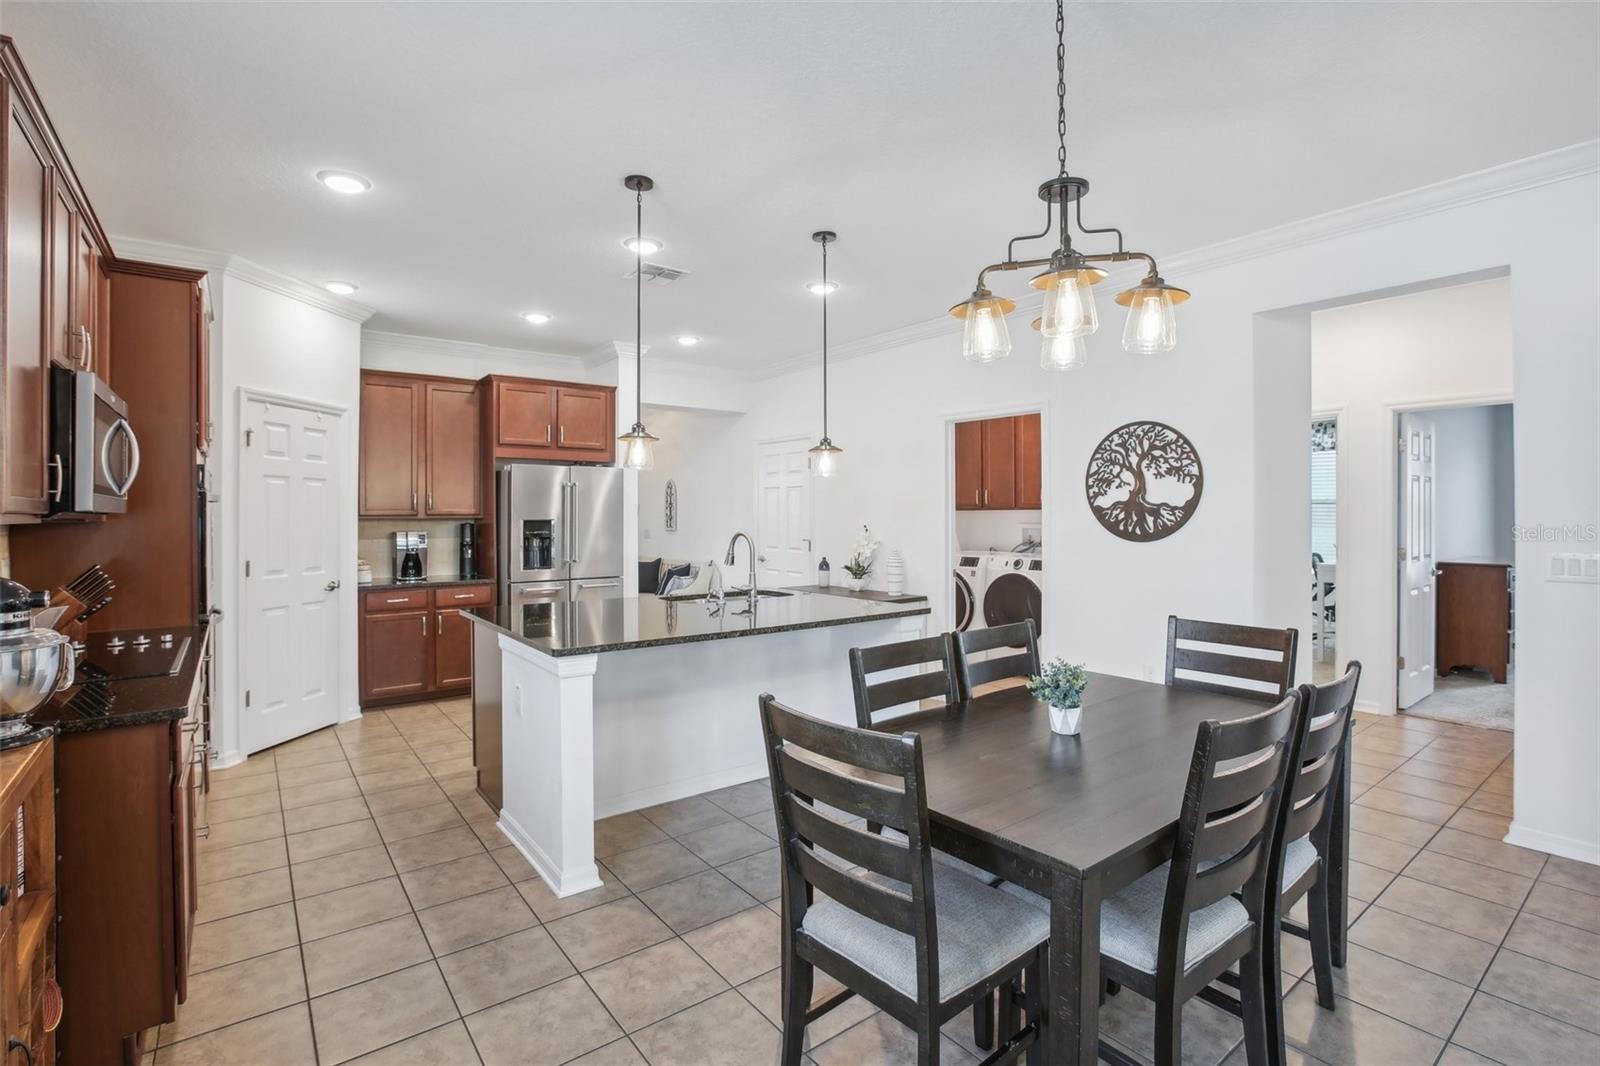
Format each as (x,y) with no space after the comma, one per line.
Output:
(102,322)
(183,858)
(396,654)
(84,316)
(28,199)
(391,443)
(526,414)
(67,346)
(1029,486)
(452,650)
(999,464)
(583,419)
(202,377)
(969,466)
(453,470)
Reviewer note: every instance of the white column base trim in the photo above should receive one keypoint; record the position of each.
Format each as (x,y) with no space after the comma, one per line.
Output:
(561,882)
(1555,844)
(680,789)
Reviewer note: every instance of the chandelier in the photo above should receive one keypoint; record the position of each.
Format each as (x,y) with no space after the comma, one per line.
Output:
(1069,276)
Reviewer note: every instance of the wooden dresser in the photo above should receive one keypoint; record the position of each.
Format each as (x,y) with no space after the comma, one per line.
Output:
(27,898)
(1476,616)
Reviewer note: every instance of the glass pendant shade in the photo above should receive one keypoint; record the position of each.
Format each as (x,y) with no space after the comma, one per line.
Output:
(1068,302)
(825,458)
(638,448)
(1061,352)
(984,337)
(1152,324)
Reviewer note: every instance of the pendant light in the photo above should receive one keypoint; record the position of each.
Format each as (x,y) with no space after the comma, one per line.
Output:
(638,446)
(826,452)
(1069,276)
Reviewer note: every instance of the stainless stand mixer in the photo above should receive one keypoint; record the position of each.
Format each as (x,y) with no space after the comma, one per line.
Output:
(35,664)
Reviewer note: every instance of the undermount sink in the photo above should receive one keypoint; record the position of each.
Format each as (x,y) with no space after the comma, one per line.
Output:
(732,594)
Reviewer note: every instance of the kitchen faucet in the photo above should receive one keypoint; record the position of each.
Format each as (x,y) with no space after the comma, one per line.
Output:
(733,542)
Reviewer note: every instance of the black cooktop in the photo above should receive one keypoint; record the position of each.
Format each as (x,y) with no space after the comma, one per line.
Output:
(125,654)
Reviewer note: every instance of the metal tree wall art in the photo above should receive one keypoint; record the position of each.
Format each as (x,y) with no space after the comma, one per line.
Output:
(1144,481)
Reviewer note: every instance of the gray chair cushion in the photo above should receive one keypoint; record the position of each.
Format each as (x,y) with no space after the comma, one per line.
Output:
(1298,857)
(980,930)
(949,860)
(1130,921)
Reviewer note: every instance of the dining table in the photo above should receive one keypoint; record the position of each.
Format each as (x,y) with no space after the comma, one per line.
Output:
(1076,818)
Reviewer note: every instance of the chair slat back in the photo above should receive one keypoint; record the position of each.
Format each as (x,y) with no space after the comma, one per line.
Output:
(908,688)
(972,672)
(1322,754)
(1265,673)
(1230,814)
(821,799)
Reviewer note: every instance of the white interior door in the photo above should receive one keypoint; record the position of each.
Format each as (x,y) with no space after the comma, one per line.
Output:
(1418,576)
(783,515)
(288,538)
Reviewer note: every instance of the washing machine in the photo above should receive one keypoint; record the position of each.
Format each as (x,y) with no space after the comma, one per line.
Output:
(1014,589)
(971,574)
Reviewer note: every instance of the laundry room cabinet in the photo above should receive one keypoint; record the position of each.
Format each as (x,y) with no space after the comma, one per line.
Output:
(998,464)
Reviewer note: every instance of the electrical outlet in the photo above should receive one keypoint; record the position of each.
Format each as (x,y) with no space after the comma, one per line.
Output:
(1574,567)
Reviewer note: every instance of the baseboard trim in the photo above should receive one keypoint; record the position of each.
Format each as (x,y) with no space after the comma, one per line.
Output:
(224,759)
(680,789)
(1554,843)
(562,884)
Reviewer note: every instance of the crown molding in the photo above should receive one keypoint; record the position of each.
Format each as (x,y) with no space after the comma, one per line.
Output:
(245,270)
(1548,168)
(380,342)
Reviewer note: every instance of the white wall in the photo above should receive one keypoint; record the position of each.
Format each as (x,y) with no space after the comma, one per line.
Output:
(1421,349)
(1473,482)
(993,530)
(1240,387)
(706,454)
(273,342)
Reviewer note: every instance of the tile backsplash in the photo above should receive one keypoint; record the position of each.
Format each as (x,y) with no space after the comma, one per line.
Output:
(375,545)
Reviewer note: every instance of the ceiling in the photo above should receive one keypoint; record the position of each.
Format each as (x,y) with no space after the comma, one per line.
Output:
(497,136)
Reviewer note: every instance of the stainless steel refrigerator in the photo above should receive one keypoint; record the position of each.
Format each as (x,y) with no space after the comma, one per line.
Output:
(560,536)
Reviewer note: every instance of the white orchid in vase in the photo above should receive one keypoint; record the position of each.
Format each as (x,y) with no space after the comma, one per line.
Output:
(863,553)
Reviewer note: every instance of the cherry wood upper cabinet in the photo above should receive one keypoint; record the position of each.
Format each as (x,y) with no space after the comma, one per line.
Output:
(1030,495)
(451,449)
(585,419)
(29,194)
(391,445)
(969,466)
(85,339)
(526,413)
(998,464)
(66,347)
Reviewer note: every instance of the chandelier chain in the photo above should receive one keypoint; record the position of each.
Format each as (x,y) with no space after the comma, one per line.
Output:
(824,340)
(1061,85)
(638,307)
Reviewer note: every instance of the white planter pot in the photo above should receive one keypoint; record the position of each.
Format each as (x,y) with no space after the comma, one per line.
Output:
(854,584)
(1065,720)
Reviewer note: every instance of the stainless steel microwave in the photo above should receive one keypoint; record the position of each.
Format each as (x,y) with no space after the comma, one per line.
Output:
(94,452)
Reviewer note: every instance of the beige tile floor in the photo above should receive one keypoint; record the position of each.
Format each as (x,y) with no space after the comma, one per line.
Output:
(359,905)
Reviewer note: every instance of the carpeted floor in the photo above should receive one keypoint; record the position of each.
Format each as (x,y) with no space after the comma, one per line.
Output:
(1469,697)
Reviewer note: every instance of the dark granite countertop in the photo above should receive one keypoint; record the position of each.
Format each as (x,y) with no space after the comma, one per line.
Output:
(430,583)
(621,623)
(872,595)
(96,703)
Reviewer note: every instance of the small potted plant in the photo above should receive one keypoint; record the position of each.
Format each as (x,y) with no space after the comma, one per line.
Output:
(863,553)
(1061,685)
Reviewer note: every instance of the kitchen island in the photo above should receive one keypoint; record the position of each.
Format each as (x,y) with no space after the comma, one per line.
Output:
(611,705)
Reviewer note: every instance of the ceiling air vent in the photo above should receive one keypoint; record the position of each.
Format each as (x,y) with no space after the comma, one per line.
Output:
(657,274)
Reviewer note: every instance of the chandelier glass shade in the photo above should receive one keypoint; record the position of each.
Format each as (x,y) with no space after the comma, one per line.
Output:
(825,456)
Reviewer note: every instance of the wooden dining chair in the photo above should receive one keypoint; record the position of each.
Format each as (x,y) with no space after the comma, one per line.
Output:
(971,672)
(905,692)
(916,939)
(1228,671)
(1178,928)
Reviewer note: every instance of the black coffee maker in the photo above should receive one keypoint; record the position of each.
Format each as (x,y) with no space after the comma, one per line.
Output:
(469,550)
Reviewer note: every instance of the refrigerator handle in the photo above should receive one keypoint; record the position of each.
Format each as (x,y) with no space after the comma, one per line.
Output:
(572,522)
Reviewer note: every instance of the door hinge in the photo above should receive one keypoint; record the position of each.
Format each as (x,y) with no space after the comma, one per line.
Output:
(248,435)
(1400,663)
(247,697)
(247,568)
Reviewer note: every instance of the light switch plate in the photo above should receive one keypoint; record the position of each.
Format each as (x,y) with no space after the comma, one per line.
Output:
(1575,567)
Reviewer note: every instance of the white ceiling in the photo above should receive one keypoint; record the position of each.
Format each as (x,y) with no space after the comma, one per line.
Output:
(497,137)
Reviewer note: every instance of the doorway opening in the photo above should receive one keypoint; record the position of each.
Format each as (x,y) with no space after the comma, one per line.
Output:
(1456,615)
(996,519)
(1325,548)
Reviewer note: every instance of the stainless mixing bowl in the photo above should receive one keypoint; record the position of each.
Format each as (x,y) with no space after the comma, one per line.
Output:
(34,665)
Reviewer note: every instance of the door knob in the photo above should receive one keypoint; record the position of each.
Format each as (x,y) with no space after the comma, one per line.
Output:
(330,586)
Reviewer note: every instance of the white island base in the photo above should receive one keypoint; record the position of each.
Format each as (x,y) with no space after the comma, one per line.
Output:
(586,736)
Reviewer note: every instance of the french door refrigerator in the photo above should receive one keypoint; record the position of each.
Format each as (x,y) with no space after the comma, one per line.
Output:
(560,535)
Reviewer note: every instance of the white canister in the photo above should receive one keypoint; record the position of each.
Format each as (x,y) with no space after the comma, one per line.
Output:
(894,573)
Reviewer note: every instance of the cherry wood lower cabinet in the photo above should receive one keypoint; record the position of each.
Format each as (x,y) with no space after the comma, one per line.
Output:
(414,642)
(27,897)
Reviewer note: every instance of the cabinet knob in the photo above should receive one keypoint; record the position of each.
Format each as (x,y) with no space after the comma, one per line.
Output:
(5,894)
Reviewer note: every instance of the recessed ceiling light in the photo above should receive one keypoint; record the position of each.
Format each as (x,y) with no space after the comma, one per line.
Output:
(344,181)
(340,288)
(688,340)
(535,318)
(642,245)
(823,288)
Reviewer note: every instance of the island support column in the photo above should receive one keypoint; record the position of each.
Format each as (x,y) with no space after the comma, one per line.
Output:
(547,731)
